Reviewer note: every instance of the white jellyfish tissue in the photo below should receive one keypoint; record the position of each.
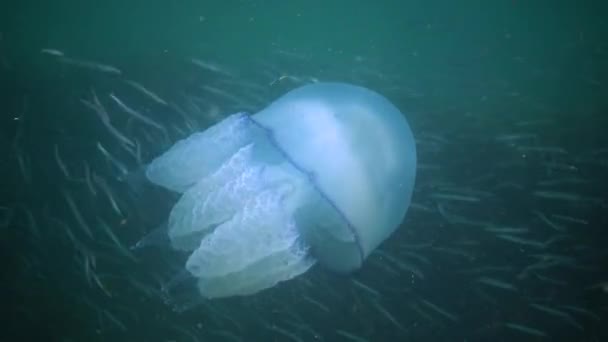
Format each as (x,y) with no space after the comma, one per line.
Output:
(323,175)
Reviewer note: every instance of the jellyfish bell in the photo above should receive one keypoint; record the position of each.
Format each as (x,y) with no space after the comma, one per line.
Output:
(323,174)
(359,153)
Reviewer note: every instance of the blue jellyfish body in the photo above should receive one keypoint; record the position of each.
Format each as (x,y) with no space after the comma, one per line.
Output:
(325,173)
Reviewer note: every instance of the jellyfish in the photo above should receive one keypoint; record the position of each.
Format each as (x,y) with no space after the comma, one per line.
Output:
(324,175)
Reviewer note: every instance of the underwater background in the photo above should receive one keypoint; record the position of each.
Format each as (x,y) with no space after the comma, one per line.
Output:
(505,239)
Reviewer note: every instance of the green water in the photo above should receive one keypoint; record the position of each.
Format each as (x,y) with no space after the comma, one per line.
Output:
(468,75)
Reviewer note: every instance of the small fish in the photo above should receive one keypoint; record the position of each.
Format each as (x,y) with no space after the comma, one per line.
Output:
(557,195)
(526,330)
(496,283)
(114,320)
(285,333)
(570,219)
(52,52)
(23,161)
(521,241)
(549,310)
(554,312)
(100,284)
(98,108)
(122,169)
(60,163)
(514,137)
(454,197)
(542,149)
(121,248)
(506,230)
(365,287)
(87,177)
(388,315)
(582,311)
(146,92)
(439,310)
(135,113)
(350,336)
(79,219)
(546,220)
(91,65)
(209,66)
(402,265)
(106,190)
(221,93)
(315,303)
(551,280)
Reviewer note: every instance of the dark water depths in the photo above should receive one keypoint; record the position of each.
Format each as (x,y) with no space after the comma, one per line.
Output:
(505,239)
